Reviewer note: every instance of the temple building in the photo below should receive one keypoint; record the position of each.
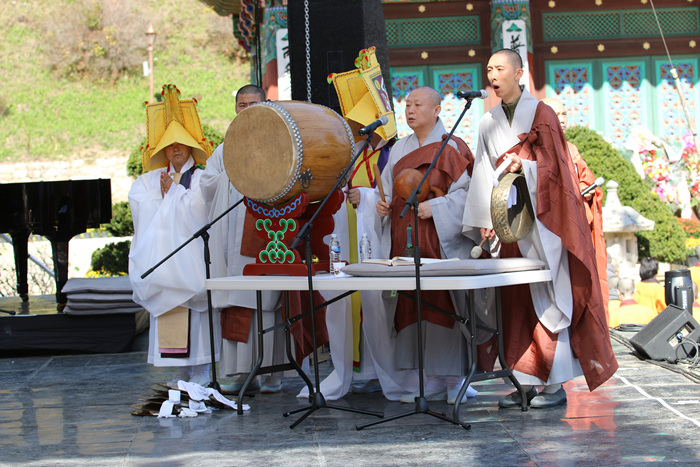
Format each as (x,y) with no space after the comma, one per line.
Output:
(611,62)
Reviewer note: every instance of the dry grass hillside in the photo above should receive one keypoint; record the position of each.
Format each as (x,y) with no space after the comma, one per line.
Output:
(72,77)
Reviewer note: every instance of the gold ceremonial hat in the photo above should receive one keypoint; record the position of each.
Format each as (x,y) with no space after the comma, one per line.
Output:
(362,95)
(173,121)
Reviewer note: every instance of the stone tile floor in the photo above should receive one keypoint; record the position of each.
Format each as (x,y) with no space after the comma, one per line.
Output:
(76,410)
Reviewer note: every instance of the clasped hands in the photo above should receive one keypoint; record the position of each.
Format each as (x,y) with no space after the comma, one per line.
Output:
(424,209)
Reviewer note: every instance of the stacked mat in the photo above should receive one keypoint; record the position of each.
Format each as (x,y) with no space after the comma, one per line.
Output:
(99,296)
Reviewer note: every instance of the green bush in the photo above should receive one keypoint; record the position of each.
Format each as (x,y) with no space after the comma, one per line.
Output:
(134,167)
(122,224)
(667,241)
(113,259)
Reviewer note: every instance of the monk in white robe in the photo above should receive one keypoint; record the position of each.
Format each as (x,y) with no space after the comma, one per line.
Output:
(166,215)
(230,253)
(446,355)
(540,343)
(239,346)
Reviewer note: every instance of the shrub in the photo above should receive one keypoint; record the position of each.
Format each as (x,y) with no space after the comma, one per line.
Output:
(122,224)
(112,260)
(4,107)
(667,241)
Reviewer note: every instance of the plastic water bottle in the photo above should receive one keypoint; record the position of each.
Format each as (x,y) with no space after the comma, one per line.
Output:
(365,248)
(334,253)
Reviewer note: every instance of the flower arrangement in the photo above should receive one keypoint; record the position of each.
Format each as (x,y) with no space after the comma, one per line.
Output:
(675,175)
(691,227)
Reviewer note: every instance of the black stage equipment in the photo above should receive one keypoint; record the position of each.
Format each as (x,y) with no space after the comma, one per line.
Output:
(668,336)
(679,289)
(337,31)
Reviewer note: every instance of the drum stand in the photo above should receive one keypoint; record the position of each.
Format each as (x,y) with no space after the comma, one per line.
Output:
(316,397)
(421,406)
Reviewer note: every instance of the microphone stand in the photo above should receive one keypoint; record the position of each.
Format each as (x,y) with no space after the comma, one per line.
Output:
(316,397)
(204,233)
(412,201)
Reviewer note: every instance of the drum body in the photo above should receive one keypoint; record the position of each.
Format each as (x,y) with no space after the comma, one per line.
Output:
(273,150)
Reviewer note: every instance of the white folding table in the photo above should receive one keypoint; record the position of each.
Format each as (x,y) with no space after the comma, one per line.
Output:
(406,283)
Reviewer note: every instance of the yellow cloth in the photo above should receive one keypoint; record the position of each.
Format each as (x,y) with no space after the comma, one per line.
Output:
(176,177)
(363,97)
(651,294)
(173,120)
(173,328)
(695,274)
(361,177)
(613,305)
(633,313)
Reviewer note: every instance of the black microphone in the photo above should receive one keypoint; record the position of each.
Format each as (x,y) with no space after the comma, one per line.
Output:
(472,94)
(383,120)
(598,182)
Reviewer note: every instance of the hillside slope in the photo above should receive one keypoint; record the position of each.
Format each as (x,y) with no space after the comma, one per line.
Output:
(47,114)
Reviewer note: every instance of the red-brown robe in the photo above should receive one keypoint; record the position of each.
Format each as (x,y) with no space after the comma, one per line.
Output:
(529,346)
(450,167)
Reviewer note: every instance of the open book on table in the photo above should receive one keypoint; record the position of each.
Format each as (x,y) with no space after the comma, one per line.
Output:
(405,261)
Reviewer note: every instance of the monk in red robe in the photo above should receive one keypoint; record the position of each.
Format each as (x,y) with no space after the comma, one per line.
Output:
(553,331)
(440,236)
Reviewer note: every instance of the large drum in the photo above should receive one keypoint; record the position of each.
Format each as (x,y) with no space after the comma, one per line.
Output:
(273,150)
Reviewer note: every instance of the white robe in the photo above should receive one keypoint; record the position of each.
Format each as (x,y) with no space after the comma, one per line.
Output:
(552,300)
(226,260)
(162,224)
(379,343)
(338,323)
(445,350)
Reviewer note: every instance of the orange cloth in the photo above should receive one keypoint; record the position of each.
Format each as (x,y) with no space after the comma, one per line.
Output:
(630,312)
(651,294)
(235,323)
(594,215)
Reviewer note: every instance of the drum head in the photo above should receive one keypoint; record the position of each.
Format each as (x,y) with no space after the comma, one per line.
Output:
(511,210)
(260,152)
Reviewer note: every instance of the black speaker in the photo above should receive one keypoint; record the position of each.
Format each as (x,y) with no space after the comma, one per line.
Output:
(663,338)
(338,30)
(673,280)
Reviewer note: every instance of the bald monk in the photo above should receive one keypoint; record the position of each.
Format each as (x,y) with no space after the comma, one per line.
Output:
(553,331)
(440,236)
(629,311)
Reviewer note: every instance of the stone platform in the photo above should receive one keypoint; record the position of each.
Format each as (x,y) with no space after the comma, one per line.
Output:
(76,410)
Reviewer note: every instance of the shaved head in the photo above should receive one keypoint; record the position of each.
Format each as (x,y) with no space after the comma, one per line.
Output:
(554,103)
(626,287)
(559,109)
(513,57)
(430,94)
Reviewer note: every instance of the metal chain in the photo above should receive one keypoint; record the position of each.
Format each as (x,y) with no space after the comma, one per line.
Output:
(308,50)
